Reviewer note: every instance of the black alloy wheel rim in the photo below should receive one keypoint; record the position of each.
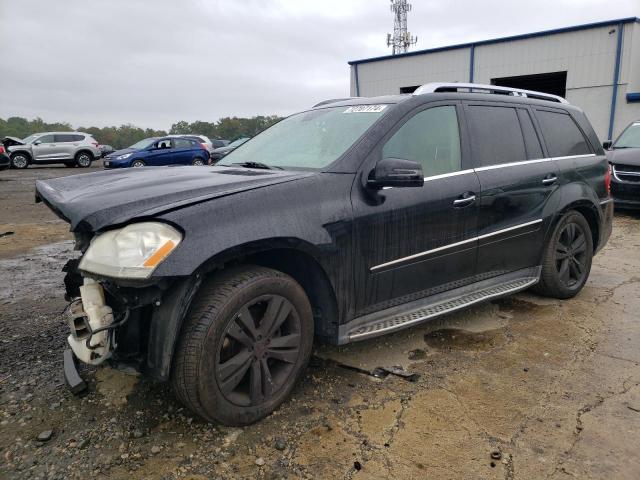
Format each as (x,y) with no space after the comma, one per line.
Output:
(571,255)
(258,350)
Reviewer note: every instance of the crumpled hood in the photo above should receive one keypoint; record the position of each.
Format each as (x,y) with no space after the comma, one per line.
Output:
(626,156)
(96,200)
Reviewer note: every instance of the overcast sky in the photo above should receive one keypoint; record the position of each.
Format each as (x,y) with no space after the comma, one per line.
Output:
(153,63)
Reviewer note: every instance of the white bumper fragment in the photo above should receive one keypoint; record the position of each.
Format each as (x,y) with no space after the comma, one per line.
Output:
(91,310)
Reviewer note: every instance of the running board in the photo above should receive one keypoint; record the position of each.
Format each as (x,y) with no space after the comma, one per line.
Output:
(397,318)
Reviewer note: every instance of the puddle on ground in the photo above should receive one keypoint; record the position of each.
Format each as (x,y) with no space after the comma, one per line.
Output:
(43,263)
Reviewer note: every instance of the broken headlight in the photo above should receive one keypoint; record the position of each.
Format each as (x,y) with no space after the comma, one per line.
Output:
(130,252)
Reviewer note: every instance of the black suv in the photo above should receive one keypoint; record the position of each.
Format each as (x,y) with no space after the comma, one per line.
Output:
(353,219)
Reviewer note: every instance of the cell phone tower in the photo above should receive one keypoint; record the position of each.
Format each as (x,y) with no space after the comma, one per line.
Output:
(401,39)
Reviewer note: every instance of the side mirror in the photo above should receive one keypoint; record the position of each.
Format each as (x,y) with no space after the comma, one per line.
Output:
(396,172)
(607,145)
(37,142)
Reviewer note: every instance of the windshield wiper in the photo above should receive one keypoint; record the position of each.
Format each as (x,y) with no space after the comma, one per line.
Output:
(257,165)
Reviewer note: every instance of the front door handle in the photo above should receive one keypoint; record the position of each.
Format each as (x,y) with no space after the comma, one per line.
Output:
(465,199)
(549,179)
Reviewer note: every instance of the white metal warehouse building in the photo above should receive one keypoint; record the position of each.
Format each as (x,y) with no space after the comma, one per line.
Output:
(595,66)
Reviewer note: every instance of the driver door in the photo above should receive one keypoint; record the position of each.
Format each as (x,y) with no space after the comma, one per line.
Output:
(44,149)
(411,243)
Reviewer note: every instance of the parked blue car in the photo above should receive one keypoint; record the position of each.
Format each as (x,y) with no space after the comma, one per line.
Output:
(159,151)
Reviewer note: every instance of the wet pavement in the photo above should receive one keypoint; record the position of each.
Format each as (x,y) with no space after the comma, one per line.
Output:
(522,387)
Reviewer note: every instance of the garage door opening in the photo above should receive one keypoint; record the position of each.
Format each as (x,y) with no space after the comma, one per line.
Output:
(554,83)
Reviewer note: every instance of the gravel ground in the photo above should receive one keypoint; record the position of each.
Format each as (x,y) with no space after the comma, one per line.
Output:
(522,387)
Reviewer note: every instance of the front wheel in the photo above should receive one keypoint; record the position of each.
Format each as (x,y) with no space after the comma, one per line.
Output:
(19,160)
(567,258)
(245,342)
(138,164)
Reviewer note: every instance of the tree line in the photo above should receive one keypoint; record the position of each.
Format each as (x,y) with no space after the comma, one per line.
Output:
(228,128)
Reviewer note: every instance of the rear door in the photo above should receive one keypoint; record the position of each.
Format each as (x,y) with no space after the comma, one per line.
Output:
(516,181)
(183,150)
(44,148)
(415,242)
(67,144)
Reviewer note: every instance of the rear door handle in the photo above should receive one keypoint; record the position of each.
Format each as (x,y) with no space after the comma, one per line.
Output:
(464,200)
(549,179)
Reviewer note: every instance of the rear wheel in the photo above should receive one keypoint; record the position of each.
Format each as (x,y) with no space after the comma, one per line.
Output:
(20,160)
(84,159)
(198,162)
(244,344)
(567,258)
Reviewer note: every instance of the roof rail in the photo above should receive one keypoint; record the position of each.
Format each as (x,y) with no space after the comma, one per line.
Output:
(480,88)
(333,100)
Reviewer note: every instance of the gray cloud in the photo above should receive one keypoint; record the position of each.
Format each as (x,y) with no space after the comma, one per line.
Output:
(105,62)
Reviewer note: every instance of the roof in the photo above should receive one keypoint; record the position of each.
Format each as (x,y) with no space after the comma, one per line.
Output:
(525,36)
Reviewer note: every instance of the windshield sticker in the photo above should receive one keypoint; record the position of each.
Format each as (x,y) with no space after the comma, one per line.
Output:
(365,109)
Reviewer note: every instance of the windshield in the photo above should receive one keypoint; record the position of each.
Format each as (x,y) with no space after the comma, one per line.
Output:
(237,143)
(142,144)
(308,140)
(30,138)
(630,138)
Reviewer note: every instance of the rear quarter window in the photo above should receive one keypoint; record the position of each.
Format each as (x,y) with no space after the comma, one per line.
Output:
(561,134)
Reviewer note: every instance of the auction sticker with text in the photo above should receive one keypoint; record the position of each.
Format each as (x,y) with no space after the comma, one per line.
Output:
(365,109)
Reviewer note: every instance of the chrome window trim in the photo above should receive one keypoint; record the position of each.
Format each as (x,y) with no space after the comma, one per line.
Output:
(452,245)
(446,175)
(537,160)
(501,165)
(608,200)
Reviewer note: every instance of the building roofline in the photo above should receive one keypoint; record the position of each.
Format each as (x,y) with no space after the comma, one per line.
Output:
(524,36)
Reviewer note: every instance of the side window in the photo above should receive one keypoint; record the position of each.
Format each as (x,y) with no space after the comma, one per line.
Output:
(183,143)
(531,140)
(496,135)
(432,138)
(78,138)
(65,137)
(562,135)
(46,139)
(164,144)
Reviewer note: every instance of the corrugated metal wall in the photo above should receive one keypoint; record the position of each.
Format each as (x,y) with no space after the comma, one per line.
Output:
(588,56)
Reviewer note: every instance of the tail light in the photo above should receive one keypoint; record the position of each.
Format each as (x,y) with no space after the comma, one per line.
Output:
(607,180)
(1,149)
(204,146)
(95,144)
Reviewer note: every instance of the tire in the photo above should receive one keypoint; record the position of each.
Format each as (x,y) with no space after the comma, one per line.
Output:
(567,258)
(138,164)
(223,378)
(198,162)
(84,159)
(69,164)
(20,160)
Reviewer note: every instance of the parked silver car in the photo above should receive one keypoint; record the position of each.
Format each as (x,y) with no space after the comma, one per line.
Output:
(70,148)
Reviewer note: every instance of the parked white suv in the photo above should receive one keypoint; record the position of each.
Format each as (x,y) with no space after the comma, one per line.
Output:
(70,148)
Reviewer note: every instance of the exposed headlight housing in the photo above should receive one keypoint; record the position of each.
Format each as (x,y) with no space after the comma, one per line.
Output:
(130,252)
(123,156)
